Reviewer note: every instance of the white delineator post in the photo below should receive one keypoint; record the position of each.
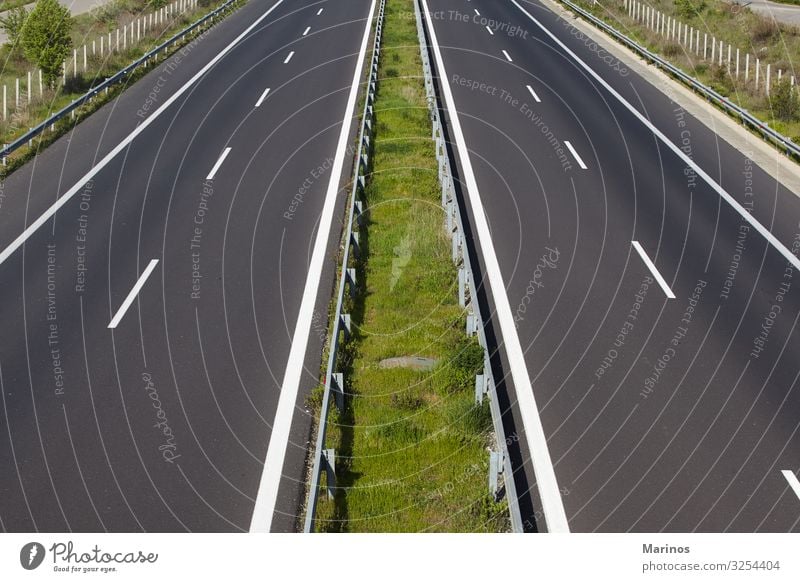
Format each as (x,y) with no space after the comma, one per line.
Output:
(746,67)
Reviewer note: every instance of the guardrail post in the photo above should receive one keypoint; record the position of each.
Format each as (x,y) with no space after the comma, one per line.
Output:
(346,324)
(496,463)
(351,281)
(358,210)
(337,387)
(472,324)
(480,388)
(462,287)
(329,460)
(354,244)
(456,247)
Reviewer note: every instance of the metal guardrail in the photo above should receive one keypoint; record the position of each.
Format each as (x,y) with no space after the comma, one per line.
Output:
(334,384)
(731,108)
(500,461)
(113,80)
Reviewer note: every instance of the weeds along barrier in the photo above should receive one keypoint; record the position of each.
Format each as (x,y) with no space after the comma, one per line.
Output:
(485,386)
(118,77)
(324,459)
(745,117)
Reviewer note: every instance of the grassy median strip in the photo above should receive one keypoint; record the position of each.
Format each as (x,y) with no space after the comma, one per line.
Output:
(411,444)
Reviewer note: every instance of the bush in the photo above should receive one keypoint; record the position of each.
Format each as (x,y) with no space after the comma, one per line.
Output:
(784,101)
(764,30)
(689,8)
(12,24)
(46,38)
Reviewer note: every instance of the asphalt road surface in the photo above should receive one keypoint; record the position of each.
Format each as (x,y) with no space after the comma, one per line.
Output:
(659,413)
(147,324)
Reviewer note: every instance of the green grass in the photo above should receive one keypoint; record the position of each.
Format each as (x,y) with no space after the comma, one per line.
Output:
(773,43)
(411,446)
(9,4)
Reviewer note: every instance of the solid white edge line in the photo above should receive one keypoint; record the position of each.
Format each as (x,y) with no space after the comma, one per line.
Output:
(132,295)
(218,165)
(288,57)
(305,32)
(508,56)
(793,482)
(267,495)
(533,94)
(263,96)
(490,31)
(575,155)
(650,265)
(64,198)
(549,492)
(779,246)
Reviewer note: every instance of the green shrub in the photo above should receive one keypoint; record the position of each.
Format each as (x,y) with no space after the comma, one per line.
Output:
(784,101)
(46,38)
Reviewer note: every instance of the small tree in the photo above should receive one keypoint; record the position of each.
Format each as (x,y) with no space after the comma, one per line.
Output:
(689,8)
(46,38)
(784,101)
(12,24)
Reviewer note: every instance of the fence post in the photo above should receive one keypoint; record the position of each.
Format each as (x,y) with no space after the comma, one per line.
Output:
(766,88)
(746,67)
(758,70)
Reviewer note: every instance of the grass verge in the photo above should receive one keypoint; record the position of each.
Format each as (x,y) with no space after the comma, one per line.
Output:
(411,445)
(736,25)
(52,101)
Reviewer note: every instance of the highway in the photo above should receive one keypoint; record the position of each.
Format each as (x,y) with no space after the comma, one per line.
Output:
(165,271)
(641,275)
